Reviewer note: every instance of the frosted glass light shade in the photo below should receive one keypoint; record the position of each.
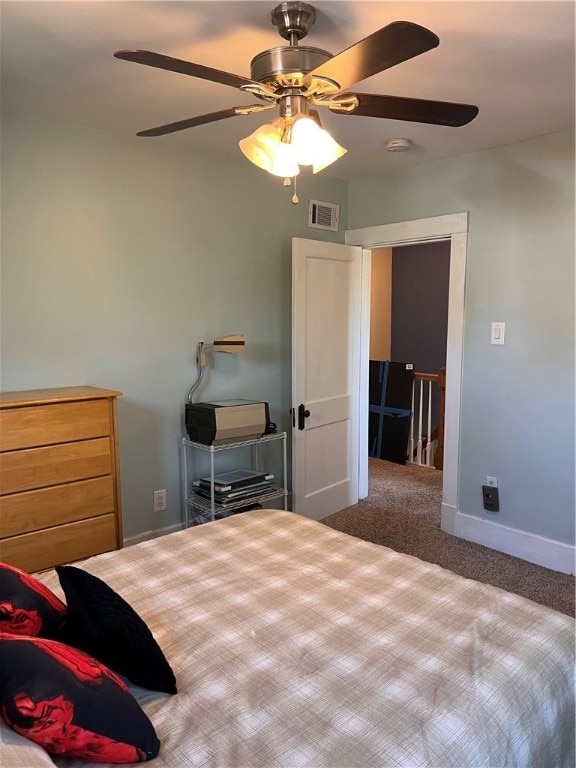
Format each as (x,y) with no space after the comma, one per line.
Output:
(284,164)
(313,145)
(333,152)
(260,146)
(280,148)
(266,149)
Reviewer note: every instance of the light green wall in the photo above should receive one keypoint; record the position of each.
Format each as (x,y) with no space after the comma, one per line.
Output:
(118,255)
(517,399)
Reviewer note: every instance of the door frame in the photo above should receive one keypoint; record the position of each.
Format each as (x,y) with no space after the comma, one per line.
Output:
(452,228)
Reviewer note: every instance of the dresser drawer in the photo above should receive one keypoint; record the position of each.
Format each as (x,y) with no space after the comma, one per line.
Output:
(61,544)
(53,465)
(32,426)
(47,507)
(59,475)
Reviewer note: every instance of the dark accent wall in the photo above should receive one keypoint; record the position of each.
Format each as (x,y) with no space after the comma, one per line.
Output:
(420,277)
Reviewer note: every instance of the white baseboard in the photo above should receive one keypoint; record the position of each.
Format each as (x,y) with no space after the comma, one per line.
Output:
(527,546)
(448,518)
(147,535)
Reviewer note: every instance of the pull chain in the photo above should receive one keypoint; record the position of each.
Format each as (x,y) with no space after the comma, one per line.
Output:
(295,199)
(288,183)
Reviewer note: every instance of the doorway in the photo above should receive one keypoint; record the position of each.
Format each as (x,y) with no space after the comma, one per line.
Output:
(452,227)
(408,325)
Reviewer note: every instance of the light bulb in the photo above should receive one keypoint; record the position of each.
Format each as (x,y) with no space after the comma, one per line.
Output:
(313,145)
(306,139)
(284,163)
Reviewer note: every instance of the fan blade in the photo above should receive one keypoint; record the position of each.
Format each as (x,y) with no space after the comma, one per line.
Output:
(391,45)
(412,110)
(211,117)
(160,61)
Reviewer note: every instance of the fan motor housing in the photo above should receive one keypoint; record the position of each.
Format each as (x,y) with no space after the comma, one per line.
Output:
(278,64)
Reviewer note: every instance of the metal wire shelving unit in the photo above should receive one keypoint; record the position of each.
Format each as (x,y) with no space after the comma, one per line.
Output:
(199,509)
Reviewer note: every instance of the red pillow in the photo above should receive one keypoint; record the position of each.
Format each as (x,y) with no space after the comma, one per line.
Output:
(70,703)
(27,607)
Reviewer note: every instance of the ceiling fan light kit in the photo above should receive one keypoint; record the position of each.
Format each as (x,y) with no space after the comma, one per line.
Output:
(295,78)
(287,143)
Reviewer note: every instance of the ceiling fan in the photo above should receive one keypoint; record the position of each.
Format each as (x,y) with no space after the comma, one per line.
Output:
(296,78)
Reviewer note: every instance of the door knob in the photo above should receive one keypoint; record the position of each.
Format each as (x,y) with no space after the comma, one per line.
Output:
(303,414)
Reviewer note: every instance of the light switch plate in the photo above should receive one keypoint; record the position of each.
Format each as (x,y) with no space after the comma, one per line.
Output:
(497,333)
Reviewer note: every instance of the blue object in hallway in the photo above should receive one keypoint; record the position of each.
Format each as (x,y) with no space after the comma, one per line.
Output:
(389,398)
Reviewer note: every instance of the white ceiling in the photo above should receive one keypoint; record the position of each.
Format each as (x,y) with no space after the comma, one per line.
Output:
(514,59)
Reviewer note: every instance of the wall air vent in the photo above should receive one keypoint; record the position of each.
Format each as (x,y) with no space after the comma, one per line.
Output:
(323,215)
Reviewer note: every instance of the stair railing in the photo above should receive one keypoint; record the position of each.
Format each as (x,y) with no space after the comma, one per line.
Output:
(423,442)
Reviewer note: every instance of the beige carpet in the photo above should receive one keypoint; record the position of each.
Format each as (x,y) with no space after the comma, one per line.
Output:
(402,512)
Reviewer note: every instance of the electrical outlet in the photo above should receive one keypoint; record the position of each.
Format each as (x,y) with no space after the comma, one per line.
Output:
(160,500)
(490,497)
(492,482)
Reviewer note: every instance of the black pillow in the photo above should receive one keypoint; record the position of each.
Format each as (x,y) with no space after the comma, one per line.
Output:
(70,703)
(27,607)
(102,623)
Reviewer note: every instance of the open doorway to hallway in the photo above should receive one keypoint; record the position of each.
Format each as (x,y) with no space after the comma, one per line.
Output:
(408,327)
(452,227)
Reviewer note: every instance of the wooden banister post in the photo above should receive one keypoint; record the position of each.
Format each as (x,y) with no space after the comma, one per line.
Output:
(439,456)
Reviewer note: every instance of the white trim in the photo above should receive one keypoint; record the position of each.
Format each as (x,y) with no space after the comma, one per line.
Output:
(454,349)
(453,227)
(147,535)
(364,369)
(433,228)
(527,546)
(448,514)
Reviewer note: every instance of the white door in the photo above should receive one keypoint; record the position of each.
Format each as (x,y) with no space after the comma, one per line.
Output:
(326,352)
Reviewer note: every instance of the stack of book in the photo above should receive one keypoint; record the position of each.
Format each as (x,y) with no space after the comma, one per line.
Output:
(235,486)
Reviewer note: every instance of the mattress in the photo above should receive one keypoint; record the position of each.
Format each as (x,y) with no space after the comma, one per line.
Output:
(295,645)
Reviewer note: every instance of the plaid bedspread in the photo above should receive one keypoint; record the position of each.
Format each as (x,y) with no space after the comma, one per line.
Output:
(297,646)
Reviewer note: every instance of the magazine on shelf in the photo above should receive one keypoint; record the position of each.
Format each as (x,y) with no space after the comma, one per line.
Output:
(225,499)
(237,478)
(246,490)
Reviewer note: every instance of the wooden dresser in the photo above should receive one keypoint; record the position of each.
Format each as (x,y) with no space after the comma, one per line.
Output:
(59,476)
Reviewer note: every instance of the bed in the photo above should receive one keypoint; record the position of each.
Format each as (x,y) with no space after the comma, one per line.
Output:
(295,645)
